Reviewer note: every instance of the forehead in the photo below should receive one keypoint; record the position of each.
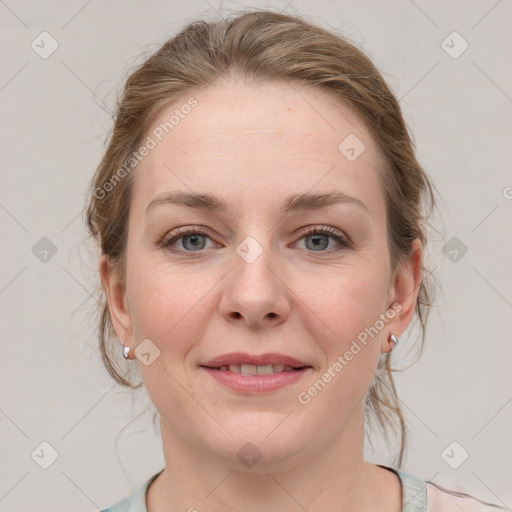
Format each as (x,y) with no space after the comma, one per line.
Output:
(276,135)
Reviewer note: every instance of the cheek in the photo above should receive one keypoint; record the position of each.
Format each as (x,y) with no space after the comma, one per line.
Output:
(348,308)
(345,302)
(341,315)
(169,309)
(167,305)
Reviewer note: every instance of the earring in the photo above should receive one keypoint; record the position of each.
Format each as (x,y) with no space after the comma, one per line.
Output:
(394,339)
(125,350)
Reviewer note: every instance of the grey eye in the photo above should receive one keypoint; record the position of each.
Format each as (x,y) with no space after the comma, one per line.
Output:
(318,241)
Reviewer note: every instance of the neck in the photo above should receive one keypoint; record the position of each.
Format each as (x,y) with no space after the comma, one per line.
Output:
(335,478)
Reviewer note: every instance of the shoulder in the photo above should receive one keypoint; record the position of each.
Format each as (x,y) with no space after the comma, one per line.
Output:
(120,506)
(440,499)
(134,503)
(419,495)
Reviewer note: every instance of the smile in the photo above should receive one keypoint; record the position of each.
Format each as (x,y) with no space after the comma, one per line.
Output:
(255,374)
(251,369)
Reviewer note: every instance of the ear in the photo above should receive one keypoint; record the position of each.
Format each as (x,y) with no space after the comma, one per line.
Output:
(115,290)
(404,288)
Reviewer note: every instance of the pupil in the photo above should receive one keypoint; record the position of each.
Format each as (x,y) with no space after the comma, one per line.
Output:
(196,242)
(317,241)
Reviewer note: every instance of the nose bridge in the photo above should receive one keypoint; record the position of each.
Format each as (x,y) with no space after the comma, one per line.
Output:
(256,291)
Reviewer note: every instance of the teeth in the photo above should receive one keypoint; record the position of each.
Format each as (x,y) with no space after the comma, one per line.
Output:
(248,369)
(234,368)
(268,369)
(251,369)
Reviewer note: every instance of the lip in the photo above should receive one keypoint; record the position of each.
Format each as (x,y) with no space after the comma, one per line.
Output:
(257,360)
(255,384)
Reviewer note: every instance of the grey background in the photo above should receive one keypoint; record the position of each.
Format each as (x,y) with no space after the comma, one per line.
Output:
(53,386)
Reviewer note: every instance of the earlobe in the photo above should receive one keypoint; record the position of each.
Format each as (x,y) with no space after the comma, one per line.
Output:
(404,289)
(115,291)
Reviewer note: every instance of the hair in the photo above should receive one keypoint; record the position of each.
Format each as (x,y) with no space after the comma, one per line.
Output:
(263,46)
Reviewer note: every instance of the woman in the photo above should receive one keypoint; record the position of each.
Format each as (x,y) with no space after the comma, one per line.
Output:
(261,215)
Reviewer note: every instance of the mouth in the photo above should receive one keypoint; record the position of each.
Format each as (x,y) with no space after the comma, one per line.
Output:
(251,369)
(244,373)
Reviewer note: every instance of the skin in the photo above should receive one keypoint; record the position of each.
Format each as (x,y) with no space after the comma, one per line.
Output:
(252,146)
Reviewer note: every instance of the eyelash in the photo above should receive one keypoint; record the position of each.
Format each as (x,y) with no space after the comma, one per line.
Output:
(171,238)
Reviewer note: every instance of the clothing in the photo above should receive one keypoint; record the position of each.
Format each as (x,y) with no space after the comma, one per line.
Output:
(417,496)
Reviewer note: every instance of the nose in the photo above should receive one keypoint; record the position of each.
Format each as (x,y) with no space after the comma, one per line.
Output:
(255,293)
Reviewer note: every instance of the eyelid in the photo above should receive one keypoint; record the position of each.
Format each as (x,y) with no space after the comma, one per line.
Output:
(184,231)
(333,232)
(320,228)
(174,235)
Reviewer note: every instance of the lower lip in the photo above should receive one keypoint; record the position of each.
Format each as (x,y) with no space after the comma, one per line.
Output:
(255,384)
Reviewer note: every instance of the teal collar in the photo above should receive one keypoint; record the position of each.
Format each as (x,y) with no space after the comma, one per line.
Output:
(414,492)
(414,497)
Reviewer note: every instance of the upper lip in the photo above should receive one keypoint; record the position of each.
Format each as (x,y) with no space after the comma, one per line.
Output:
(256,360)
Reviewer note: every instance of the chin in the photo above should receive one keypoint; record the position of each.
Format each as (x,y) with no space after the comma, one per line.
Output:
(261,442)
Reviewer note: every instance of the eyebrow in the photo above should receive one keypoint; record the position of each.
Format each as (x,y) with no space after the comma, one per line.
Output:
(294,202)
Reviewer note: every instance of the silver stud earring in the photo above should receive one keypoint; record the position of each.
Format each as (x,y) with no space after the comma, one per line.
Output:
(394,339)
(126,351)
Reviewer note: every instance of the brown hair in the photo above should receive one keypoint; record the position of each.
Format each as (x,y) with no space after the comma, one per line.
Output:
(264,46)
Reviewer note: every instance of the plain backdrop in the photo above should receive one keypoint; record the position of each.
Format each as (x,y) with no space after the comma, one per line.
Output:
(54,118)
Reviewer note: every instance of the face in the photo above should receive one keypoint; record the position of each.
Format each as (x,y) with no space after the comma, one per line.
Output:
(284,264)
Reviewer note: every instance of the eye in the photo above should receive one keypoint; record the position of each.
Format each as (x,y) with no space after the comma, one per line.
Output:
(191,239)
(317,238)
(194,239)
